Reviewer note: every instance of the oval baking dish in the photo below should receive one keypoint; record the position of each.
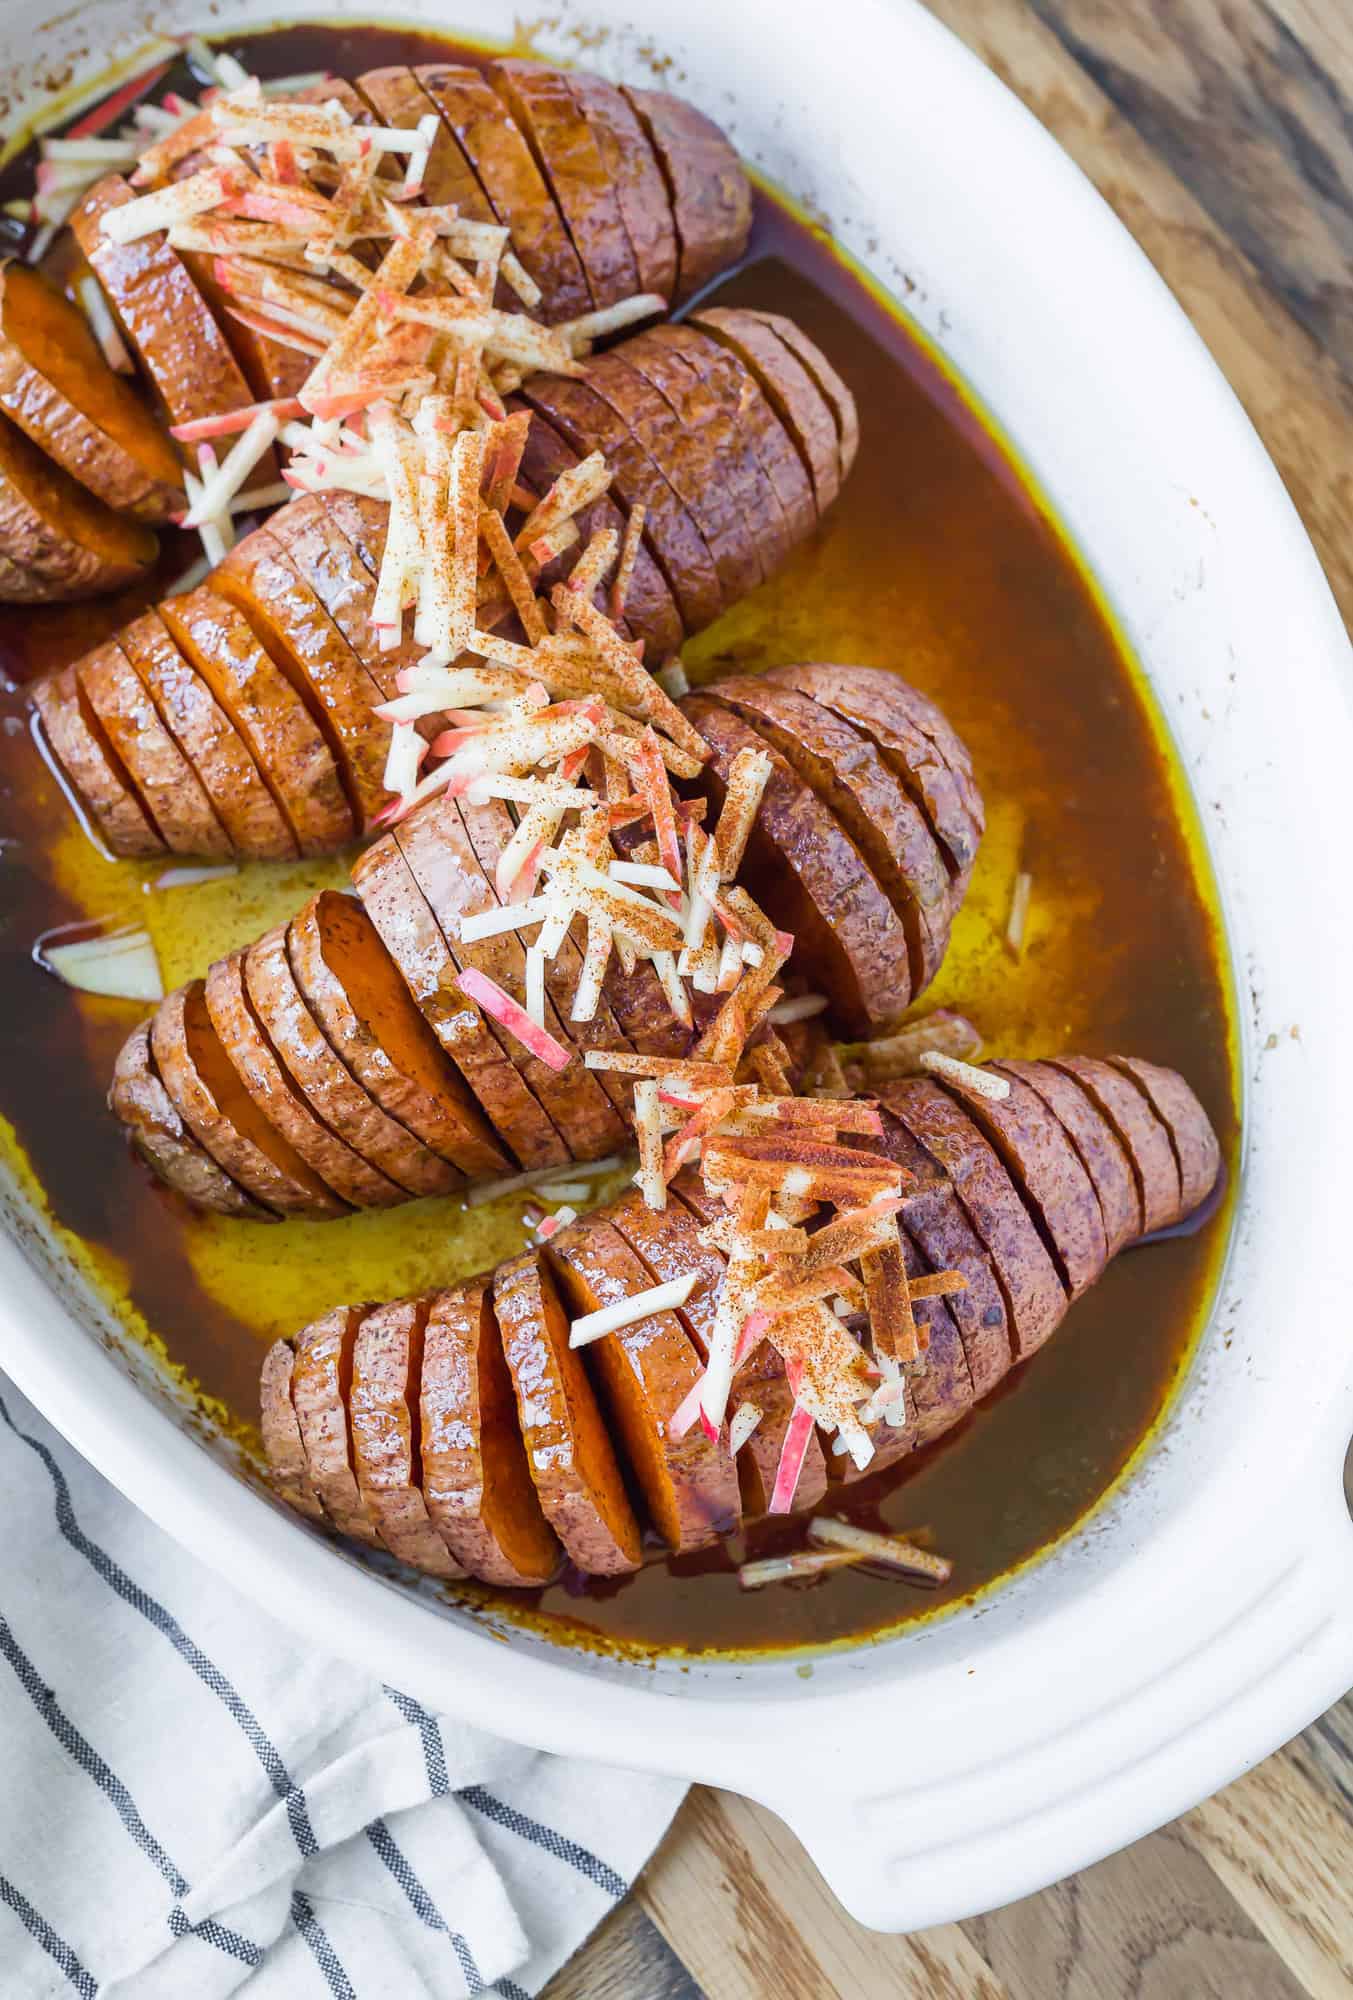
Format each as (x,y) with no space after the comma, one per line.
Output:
(1202,1616)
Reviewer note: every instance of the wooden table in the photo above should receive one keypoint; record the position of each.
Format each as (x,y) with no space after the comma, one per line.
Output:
(1222,133)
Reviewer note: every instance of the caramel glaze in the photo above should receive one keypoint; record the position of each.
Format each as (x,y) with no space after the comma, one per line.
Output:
(938,560)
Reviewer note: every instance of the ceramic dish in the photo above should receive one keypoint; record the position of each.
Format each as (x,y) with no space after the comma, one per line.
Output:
(1202,1616)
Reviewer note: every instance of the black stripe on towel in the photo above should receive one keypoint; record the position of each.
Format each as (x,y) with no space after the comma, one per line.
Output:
(326,1958)
(55,1947)
(82,1751)
(218,1934)
(164,1622)
(558,1844)
(429,1730)
(378,1833)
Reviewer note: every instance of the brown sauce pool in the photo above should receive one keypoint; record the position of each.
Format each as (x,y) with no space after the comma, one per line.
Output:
(938,561)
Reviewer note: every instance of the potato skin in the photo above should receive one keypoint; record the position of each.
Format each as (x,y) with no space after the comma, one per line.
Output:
(57,387)
(60,543)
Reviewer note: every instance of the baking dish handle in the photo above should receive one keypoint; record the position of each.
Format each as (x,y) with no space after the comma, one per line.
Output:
(1007,1817)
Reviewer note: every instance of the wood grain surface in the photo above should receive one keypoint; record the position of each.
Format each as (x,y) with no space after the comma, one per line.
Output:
(1221,131)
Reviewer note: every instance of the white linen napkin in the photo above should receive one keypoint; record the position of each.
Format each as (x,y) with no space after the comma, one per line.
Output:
(193,1802)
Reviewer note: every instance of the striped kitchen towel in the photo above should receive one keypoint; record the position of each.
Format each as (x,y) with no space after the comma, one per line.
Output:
(192,1803)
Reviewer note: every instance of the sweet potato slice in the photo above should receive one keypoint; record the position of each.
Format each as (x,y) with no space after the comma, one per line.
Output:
(856,786)
(686,465)
(1197,1153)
(496,147)
(433,848)
(397,906)
(57,532)
(861,697)
(169,324)
(790,390)
(1048,1172)
(290,751)
(20,586)
(1143,1135)
(1101,1151)
(383,1415)
(476,1481)
(161,776)
(57,387)
(641,1009)
(354,990)
(329,1087)
(326,539)
(785,471)
(711,195)
(909,712)
(1036,1299)
(650,608)
(253,824)
(811,879)
(695,441)
(271,369)
(275,1093)
(398,97)
(158,1133)
(568,1447)
(446,860)
(206,1089)
(934,1221)
(930,720)
(570,159)
(489,828)
(668,1243)
(282,1441)
(589,421)
(361,523)
(267,587)
(644,1372)
(725,396)
(76,741)
(942,1394)
(645,207)
(838,396)
(320,1383)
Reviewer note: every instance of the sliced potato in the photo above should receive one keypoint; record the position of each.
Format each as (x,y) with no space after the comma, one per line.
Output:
(57,387)
(58,534)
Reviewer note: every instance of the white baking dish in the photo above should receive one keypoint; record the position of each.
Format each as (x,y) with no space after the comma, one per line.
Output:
(1206,1614)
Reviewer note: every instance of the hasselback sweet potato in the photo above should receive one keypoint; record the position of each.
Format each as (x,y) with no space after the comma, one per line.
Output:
(606,193)
(598,1422)
(280,635)
(379,976)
